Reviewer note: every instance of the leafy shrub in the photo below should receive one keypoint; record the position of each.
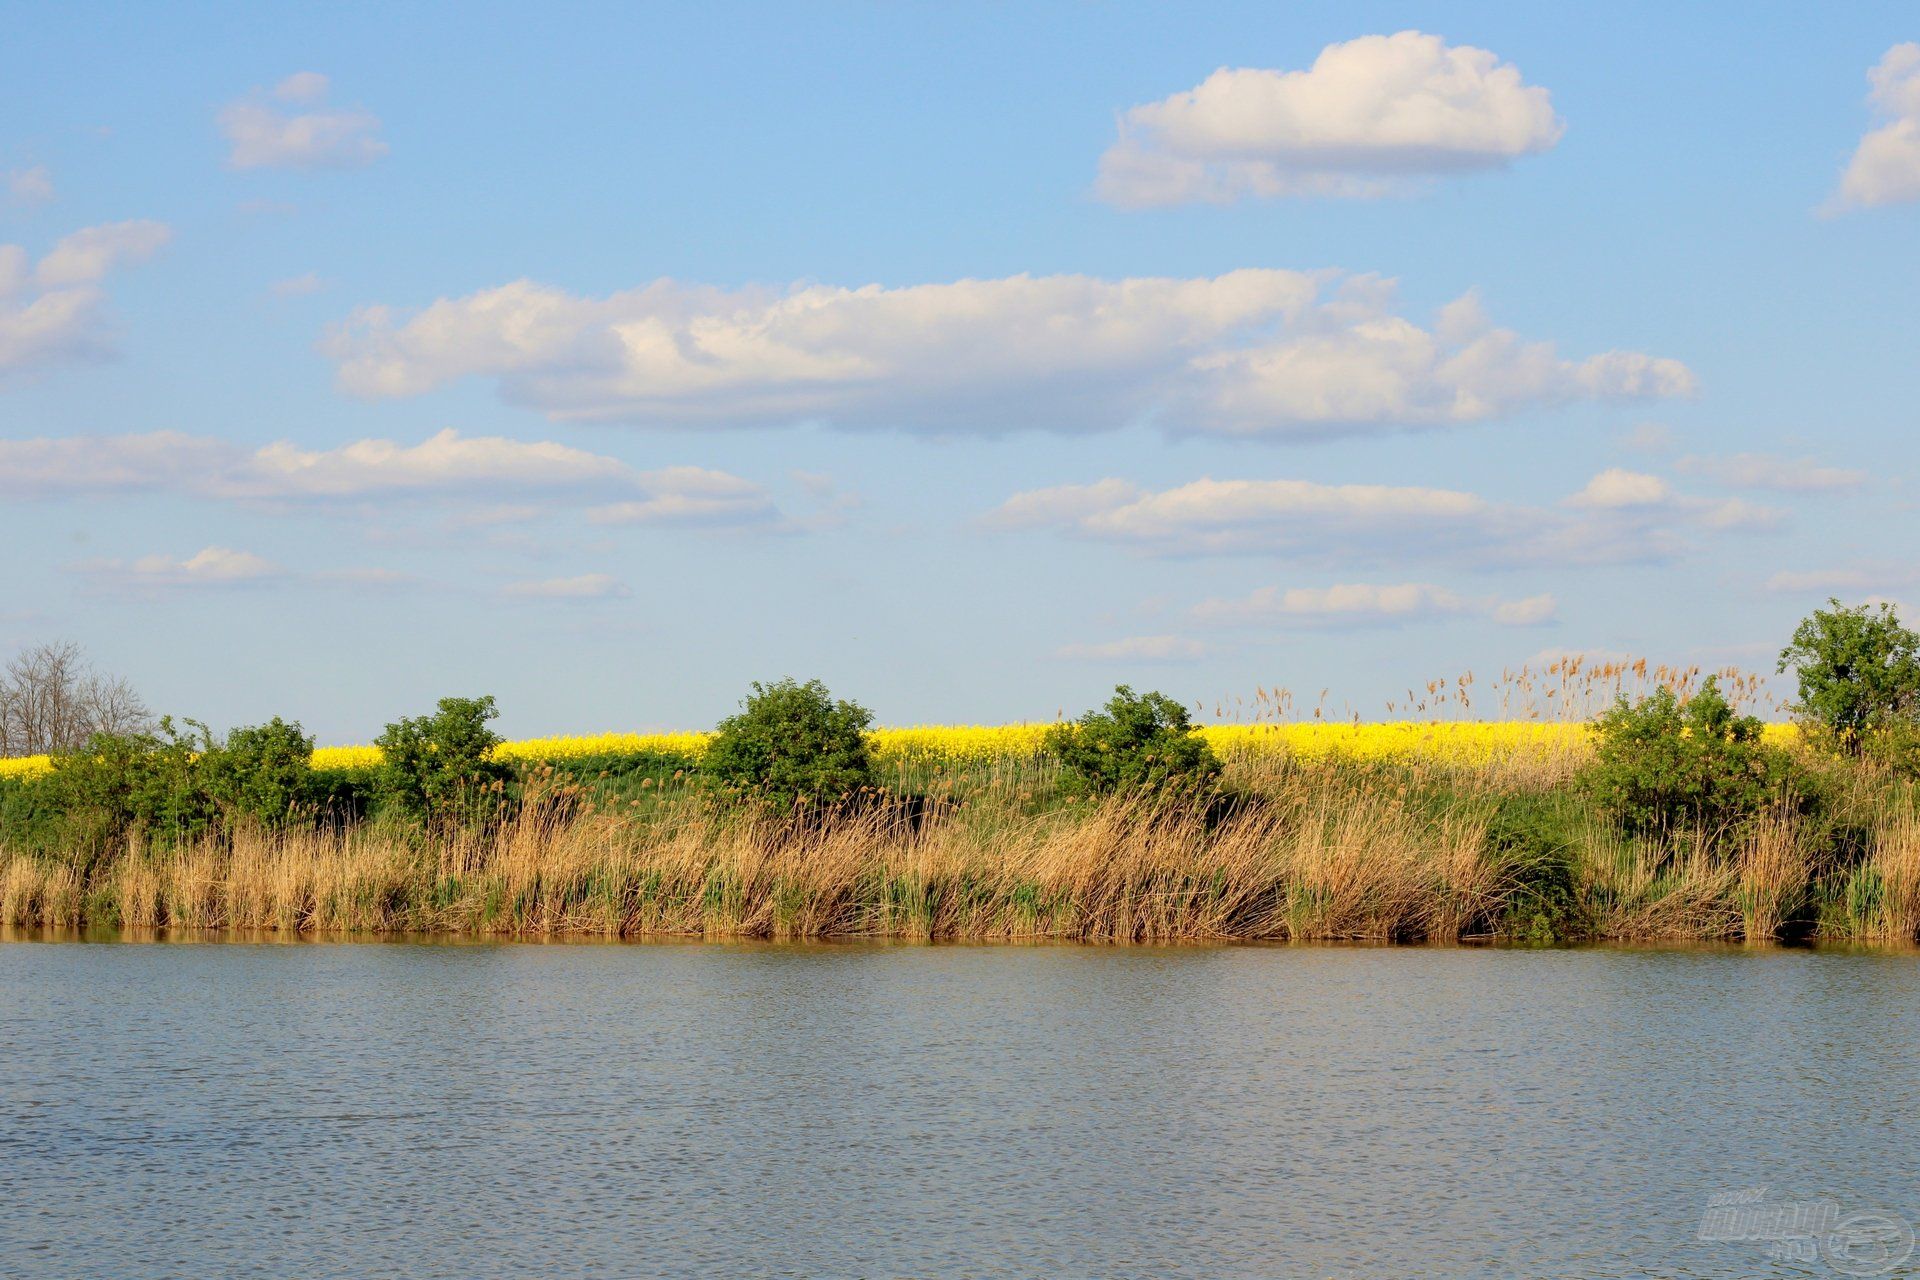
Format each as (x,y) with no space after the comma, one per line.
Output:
(440,768)
(1664,766)
(791,744)
(121,782)
(1140,742)
(1859,671)
(263,772)
(1530,839)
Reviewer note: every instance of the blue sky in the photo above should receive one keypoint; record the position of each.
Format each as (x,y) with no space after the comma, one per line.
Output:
(787,340)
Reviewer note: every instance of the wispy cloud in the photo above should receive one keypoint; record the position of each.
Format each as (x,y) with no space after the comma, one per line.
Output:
(299,286)
(209,567)
(1135,649)
(586,586)
(271,130)
(1617,517)
(445,465)
(1364,604)
(54,310)
(1771,472)
(29,186)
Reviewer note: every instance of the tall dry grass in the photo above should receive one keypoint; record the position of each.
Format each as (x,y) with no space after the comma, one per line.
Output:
(1357,866)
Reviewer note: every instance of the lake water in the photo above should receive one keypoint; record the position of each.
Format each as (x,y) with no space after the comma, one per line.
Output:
(427,1110)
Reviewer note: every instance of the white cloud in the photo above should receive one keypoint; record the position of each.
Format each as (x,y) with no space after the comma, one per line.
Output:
(1253,352)
(1846,582)
(1637,495)
(1532,611)
(262,135)
(1363,604)
(586,586)
(1885,168)
(1769,471)
(1615,518)
(690,495)
(1617,489)
(298,286)
(1835,580)
(30,186)
(445,465)
(1373,116)
(1225,516)
(55,309)
(209,567)
(1135,649)
(303,87)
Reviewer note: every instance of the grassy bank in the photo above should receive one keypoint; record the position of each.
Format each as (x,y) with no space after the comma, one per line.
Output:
(1407,848)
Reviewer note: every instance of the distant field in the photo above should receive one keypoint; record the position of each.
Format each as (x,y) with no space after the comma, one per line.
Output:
(1464,742)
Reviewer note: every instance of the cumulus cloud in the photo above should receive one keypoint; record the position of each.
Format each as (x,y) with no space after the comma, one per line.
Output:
(1771,472)
(1616,517)
(1365,604)
(1885,168)
(1135,649)
(29,186)
(1254,352)
(209,567)
(586,586)
(1380,115)
(55,309)
(268,131)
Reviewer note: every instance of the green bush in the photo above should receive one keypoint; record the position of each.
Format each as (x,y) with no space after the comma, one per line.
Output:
(1859,672)
(123,782)
(1530,839)
(1139,743)
(262,772)
(440,768)
(792,744)
(1664,766)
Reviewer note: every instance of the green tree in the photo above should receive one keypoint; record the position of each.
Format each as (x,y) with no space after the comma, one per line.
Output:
(1664,766)
(440,768)
(1139,742)
(263,772)
(791,744)
(1859,670)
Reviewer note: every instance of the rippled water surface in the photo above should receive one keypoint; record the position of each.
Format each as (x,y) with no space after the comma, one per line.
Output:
(393,1109)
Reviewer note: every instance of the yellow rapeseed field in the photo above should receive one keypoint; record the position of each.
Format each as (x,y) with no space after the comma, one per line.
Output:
(1462,742)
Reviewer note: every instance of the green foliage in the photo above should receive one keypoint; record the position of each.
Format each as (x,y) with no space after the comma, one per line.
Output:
(1530,838)
(122,782)
(262,772)
(792,744)
(1139,743)
(1859,670)
(440,768)
(1664,766)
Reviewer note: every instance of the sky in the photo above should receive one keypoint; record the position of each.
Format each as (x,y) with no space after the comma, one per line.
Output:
(971,359)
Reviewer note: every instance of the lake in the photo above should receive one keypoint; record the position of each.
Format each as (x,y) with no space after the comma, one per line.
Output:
(480,1110)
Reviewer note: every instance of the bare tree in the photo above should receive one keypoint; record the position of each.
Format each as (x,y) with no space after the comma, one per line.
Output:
(52,700)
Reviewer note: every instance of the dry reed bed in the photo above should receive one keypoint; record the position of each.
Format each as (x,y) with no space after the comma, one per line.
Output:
(1316,860)
(1360,869)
